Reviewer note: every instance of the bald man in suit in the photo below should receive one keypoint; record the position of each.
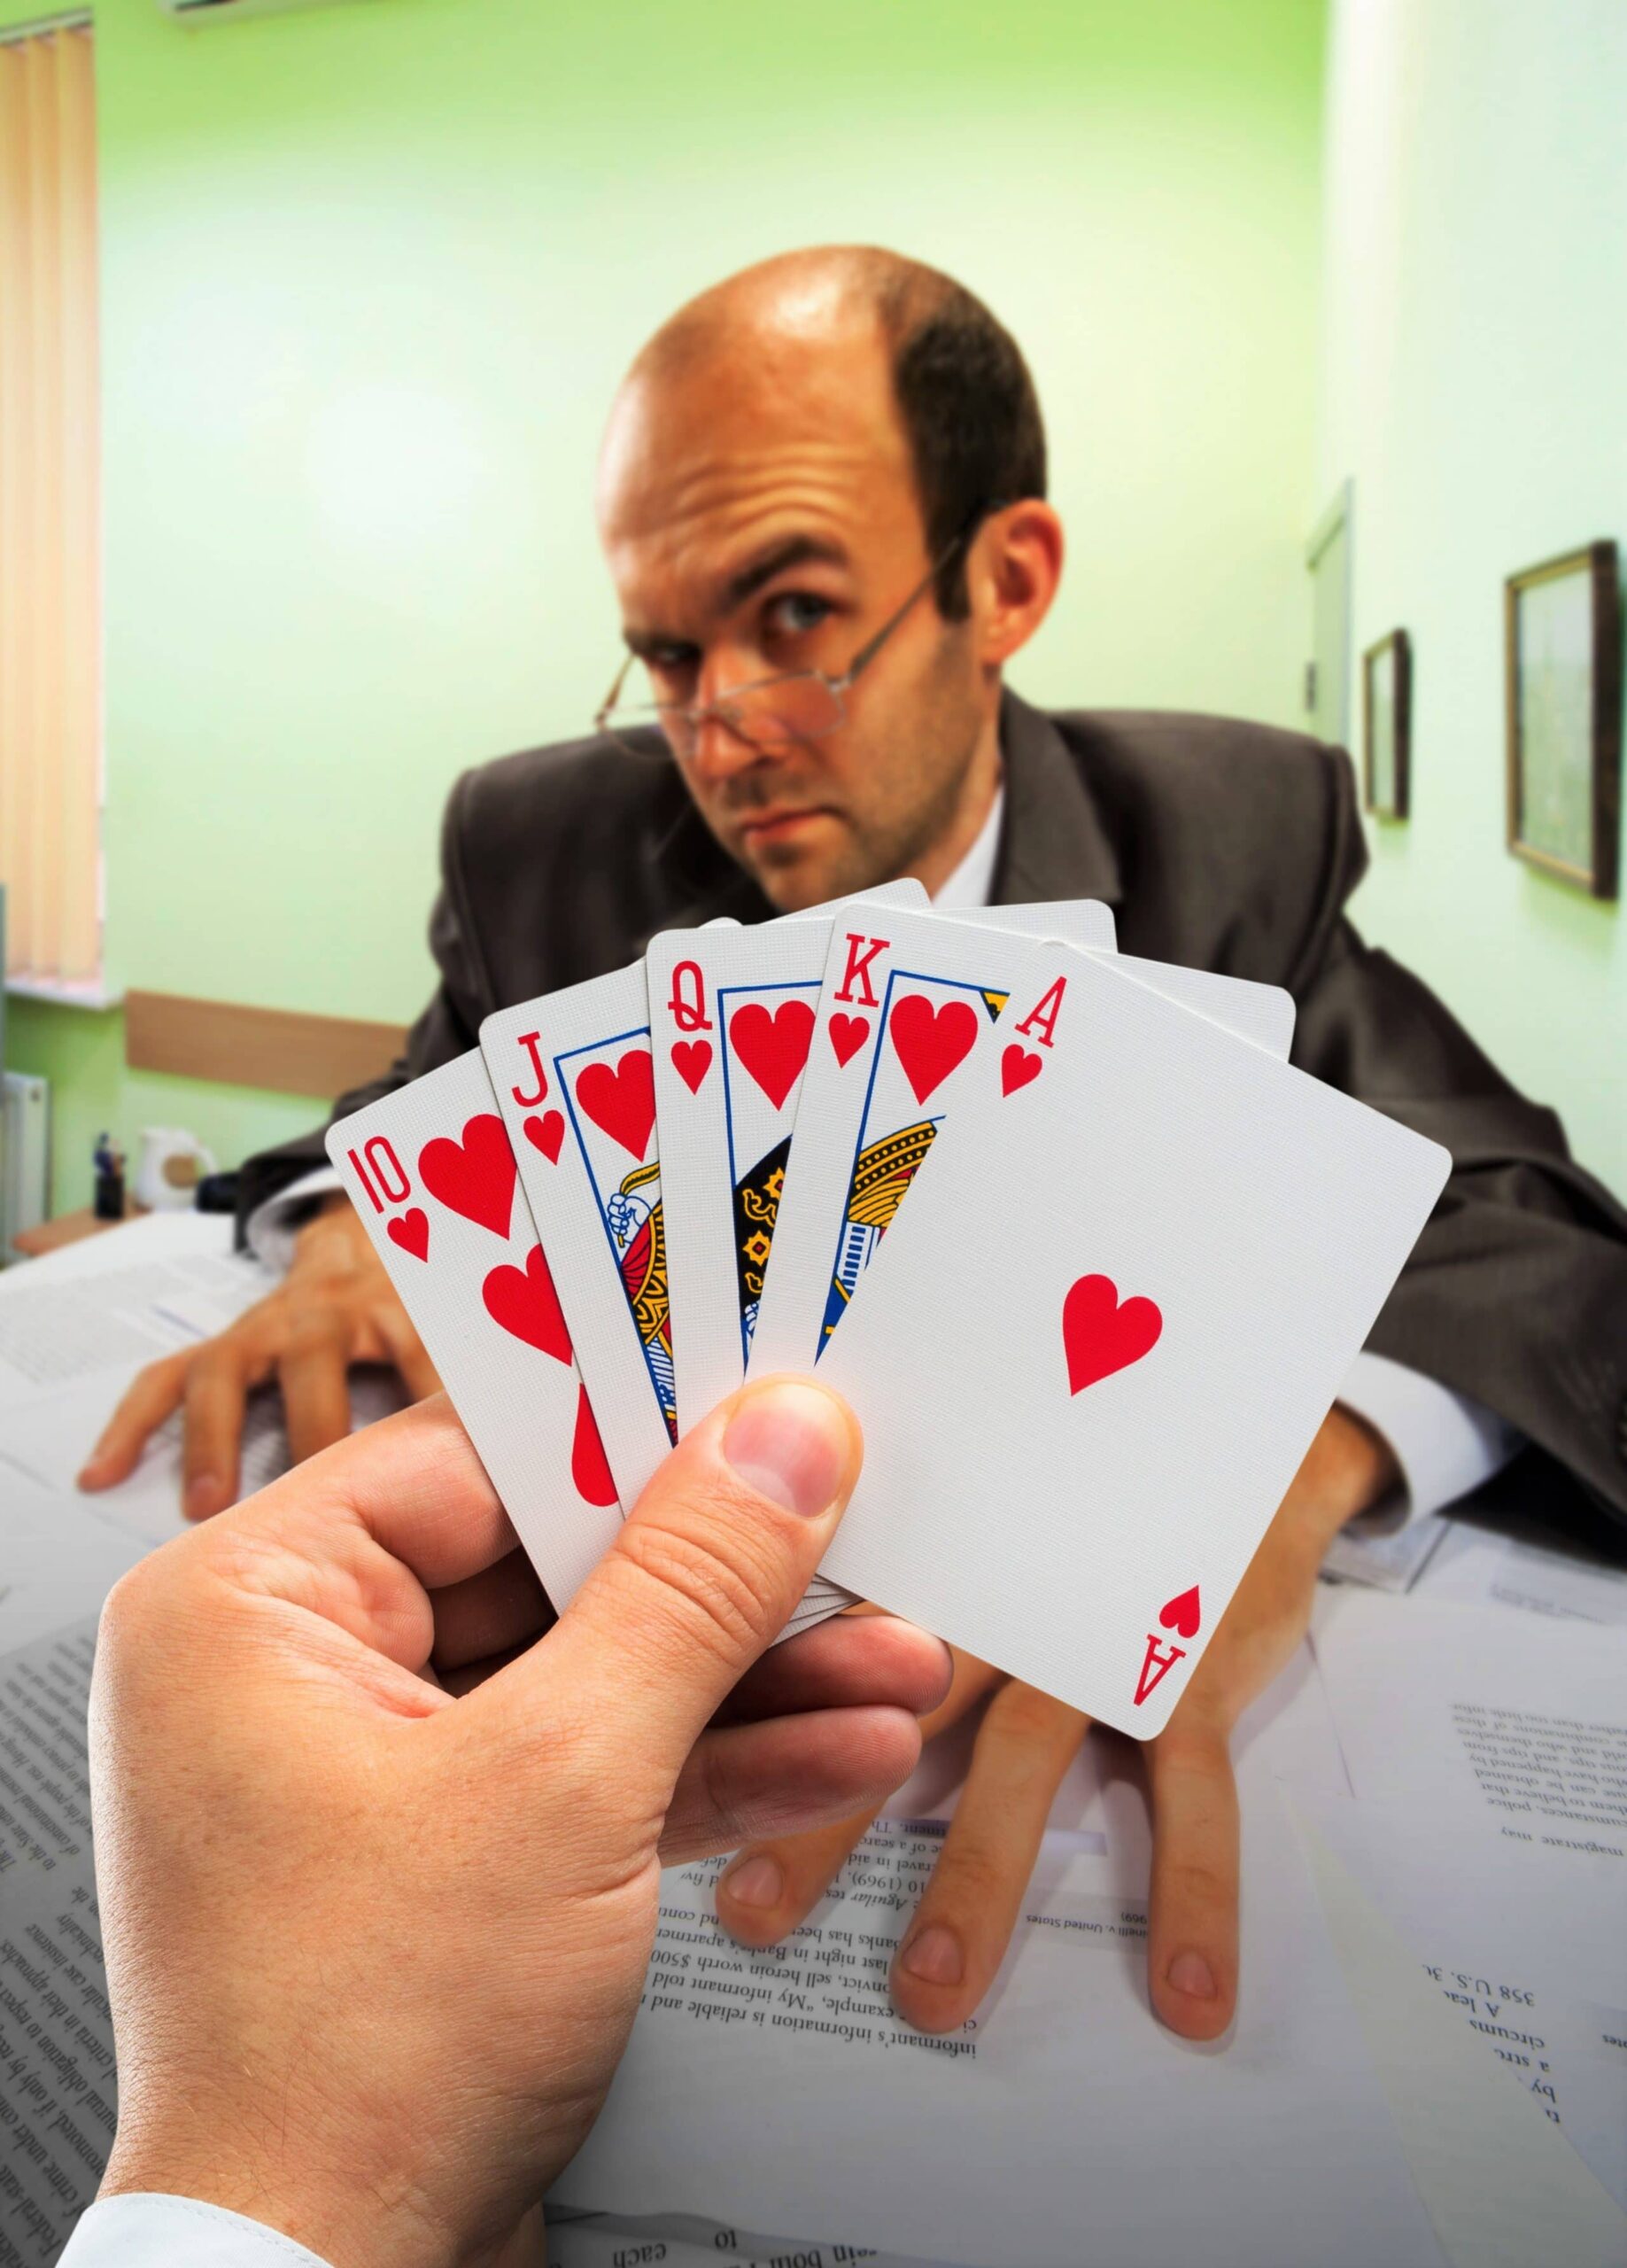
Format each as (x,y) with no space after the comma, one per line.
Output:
(831,471)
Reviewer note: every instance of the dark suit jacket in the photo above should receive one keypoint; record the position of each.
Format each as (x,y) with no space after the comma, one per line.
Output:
(1219,845)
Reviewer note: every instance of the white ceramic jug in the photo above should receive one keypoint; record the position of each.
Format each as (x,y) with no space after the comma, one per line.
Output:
(173,1162)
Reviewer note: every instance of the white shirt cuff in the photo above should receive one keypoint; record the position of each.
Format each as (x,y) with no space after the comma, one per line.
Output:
(271,1228)
(147,2230)
(1445,1443)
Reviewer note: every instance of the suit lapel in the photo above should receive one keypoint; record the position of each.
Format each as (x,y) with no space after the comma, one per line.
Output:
(1053,844)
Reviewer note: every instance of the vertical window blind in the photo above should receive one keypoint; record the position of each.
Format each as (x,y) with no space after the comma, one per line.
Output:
(50,572)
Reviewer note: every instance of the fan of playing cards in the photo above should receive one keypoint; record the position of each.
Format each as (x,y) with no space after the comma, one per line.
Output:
(1088,1257)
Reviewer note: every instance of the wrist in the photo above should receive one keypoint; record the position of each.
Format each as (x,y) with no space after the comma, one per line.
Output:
(1348,1469)
(344,2222)
(332,1231)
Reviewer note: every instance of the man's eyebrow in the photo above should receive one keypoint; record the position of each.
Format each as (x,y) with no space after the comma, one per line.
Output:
(788,552)
(791,551)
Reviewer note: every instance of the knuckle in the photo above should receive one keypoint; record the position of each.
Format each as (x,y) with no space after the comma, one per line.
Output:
(1196,1882)
(730,1596)
(1035,1719)
(971,1880)
(1194,1748)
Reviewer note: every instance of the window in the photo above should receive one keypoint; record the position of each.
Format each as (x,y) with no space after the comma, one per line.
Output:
(50,575)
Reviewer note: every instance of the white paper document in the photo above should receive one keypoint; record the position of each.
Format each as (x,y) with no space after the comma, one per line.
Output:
(690,2241)
(58,1560)
(1527,1946)
(111,1303)
(1511,1720)
(57,2095)
(1503,2186)
(1483,1566)
(779,2090)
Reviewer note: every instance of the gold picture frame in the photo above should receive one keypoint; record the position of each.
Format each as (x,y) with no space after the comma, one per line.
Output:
(1562,675)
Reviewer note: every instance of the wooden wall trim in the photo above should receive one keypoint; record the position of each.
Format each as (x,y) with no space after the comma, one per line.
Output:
(279,1048)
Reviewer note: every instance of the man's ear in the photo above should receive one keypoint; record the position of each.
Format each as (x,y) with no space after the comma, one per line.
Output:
(1012,570)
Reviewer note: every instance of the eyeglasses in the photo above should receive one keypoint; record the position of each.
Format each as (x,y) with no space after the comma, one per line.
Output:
(771,712)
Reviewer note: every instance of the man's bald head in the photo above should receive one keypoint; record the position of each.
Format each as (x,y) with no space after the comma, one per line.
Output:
(857,320)
(798,465)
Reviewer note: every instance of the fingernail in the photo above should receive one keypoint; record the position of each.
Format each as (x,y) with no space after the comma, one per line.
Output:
(757,1881)
(1190,1973)
(791,1443)
(935,1956)
(203,1496)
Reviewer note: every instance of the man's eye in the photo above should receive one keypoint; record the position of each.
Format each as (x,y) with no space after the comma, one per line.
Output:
(795,613)
(670,670)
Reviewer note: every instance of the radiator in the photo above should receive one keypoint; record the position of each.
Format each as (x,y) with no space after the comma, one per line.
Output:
(25,1158)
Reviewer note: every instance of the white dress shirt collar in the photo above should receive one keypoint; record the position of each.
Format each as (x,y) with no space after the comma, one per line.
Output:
(972,882)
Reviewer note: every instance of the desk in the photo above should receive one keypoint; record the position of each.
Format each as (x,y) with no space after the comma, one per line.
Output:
(67,1228)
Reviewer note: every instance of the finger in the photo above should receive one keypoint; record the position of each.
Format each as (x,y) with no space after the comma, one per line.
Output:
(845,1660)
(217,1387)
(360,1533)
(948,1957)
(774,1886)
(152,1397)
(407,1351)
(313,1373)
(786,1775)
(1192,1935)
(487,1613)
(701,1576)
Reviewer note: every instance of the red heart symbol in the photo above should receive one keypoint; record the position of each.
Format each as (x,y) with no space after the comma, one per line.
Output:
(411,1231)
(474,1177)
(1100,1336)
(589,1467)
(1016,1067)
(847,1036)
(524,1302)
(622,1102)
(931,1042)
(772,1048)
(691,1059)
(546,1134)
(1183,1615)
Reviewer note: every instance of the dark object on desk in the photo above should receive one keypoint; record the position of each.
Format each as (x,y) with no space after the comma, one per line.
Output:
(107,1160)
(217,1193)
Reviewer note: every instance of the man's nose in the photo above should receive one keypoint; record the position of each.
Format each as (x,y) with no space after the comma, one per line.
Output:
(722,746)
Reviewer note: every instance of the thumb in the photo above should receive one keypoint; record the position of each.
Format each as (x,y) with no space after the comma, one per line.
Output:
(705,1571)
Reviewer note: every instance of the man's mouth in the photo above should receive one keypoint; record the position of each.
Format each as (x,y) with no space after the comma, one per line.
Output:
(776,825)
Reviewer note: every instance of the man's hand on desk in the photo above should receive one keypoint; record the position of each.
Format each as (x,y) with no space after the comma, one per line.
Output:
(949,1955)
(335,1307)
(373,1951)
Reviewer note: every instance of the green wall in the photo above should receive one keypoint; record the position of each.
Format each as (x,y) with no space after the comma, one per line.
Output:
(1474,341)
(371,273)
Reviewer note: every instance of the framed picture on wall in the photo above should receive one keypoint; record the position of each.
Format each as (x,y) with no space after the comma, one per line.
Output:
(1562,641)
(1387,724)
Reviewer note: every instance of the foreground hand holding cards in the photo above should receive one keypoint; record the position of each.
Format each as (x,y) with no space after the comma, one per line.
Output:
(1088,1353)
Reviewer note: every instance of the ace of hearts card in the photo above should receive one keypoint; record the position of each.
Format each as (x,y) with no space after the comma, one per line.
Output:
(1136,1266)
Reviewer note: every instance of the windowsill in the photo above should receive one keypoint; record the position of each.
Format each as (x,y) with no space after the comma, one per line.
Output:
(63,992)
